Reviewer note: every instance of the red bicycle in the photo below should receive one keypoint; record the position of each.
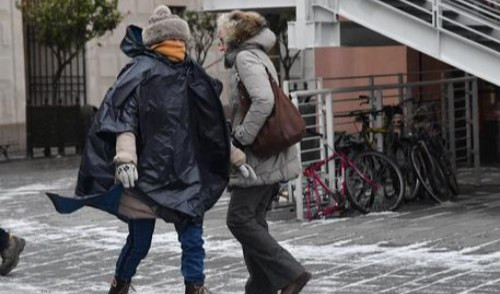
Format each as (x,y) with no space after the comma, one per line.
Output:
(368,181)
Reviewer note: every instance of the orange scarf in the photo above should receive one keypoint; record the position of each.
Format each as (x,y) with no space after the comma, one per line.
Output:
(173,50)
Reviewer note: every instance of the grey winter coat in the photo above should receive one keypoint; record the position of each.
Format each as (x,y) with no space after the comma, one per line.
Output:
(250,61)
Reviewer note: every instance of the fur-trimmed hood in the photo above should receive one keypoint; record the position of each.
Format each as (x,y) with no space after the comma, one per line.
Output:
(243,26)
(264,40)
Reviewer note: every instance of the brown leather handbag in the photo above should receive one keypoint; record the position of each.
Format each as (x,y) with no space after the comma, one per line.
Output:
(284,126)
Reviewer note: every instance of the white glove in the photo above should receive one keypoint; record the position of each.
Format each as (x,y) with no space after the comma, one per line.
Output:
(247,171)
(126,173)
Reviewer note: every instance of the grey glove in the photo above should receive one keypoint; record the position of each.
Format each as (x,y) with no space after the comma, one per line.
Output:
(126,173)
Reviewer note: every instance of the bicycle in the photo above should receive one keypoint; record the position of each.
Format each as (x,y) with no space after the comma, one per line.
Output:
(430,172)
(370,182)
(428,156)
(395,146)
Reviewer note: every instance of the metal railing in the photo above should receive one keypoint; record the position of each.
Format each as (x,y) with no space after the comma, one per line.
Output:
(473,21)
(325,111)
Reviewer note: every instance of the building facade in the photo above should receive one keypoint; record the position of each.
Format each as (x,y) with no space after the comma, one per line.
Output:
(103,61)
(352,38)
(12,78)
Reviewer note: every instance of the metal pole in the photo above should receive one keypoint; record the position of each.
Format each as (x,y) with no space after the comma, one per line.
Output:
(286,88)
(299,208)
(379,137)
(295,100)
(320,111)
(434,13)
(451,122)
(401,90)
(475,125)
(371,81)
(444,112)
(330,138)
(468,121)
(408,110)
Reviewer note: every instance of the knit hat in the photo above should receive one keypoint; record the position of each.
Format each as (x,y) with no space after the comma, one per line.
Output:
(164,25)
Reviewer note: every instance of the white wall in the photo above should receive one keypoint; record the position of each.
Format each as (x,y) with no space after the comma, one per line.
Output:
(12,78)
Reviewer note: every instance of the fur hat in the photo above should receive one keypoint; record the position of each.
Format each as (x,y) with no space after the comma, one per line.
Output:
(164,25)
(240,26)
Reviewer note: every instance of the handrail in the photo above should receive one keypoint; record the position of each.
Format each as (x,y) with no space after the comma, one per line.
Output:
(468,9)
(405,74)
(303,93)
(391,75)
(429,11)
(475,5)
(494,2)
(469,29)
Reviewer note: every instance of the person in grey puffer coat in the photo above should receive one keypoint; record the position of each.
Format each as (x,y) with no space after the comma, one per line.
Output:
(245,41)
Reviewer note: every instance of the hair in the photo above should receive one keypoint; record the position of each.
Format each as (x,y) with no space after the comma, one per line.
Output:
(224,24)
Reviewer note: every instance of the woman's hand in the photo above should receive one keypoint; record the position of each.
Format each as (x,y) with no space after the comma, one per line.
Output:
(126,173)
(238,160)
(247,171)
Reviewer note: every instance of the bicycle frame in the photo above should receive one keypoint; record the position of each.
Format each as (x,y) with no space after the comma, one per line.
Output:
(314,181)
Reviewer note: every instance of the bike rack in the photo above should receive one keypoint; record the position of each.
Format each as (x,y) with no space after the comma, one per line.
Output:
(460,125)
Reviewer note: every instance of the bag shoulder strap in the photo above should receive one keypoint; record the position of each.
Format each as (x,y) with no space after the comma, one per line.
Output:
(258,58)
(245,100)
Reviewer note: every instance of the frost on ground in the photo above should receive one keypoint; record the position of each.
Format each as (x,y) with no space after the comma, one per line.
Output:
(451,248)
(485,175)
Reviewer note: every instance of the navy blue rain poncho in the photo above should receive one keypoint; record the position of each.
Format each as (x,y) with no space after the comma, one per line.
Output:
(182,139)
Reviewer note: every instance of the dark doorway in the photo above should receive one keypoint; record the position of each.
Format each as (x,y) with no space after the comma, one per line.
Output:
(53,114)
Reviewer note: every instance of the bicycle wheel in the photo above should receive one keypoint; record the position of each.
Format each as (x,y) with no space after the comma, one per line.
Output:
(374,183)
(452,180)
(442,155)
(401,153)
(430,174)
(449,175)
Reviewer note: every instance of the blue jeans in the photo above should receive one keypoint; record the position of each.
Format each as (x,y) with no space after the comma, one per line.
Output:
(193,254)
(4,239)
(139,242)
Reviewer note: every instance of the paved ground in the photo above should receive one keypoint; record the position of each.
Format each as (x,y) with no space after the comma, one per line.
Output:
(423,248)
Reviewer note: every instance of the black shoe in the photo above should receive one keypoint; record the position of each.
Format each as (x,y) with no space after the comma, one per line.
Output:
(10,255)
(196,289)
(296,286)
(119,287)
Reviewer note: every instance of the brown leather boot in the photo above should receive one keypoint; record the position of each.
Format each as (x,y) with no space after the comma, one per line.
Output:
(119,287)
(296,286)
(196,289)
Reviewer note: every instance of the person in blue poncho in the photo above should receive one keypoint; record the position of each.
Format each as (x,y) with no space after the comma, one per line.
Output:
(158,148)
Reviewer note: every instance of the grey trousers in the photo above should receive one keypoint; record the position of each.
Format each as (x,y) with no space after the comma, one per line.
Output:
(270,266)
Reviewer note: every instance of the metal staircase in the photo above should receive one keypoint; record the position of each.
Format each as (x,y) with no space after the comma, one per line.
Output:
(462,33)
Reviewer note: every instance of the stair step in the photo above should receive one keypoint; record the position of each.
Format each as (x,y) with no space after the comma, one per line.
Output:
(491,44)
(474,36)
(462,31)
(450,14)
(427,17)
(399,3)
